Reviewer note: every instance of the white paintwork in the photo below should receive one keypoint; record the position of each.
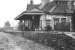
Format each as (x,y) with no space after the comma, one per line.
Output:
(47,17)
(51,18)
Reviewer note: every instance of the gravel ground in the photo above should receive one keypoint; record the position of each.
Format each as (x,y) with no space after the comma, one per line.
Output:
(13,42)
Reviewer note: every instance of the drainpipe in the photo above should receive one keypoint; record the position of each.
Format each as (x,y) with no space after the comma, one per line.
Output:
(70,26)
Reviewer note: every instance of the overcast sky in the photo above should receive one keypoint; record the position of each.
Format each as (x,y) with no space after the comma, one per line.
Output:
(9,9)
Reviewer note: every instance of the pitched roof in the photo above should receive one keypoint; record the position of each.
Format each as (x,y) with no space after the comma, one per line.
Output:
(30,12)
(48,6)
(31,6)
(59,9)
(33,10)
(52,7)
(62,9)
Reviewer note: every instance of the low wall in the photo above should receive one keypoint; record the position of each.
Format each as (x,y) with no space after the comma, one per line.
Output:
(18,33)
(53,39)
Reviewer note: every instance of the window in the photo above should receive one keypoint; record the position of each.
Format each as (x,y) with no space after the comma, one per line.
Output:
(56,20)
(47,22)
(63,19)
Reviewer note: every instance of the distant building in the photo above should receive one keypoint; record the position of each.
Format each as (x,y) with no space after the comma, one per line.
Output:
(56,14)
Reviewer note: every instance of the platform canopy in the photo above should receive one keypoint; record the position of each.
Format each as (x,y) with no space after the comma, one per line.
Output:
(29,14)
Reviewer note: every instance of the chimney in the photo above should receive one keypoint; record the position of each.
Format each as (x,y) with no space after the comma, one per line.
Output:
(44,2)
(31,2)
